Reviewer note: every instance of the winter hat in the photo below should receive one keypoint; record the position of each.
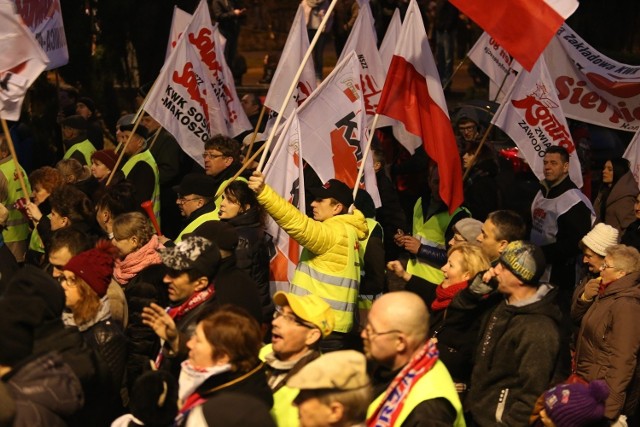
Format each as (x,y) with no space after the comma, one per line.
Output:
(35,285)
(74,122)
(601,237)
(108,157)
(221,233)
(197,183)
(154,398)
(469,229)
(577,404)
(140,130)
(334,189)
(94,266)
(310,308)
(192,253)
(88,102)
(127,119)
(525,260)
(338,370)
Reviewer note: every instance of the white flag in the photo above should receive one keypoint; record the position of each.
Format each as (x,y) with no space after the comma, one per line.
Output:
(179,23)
(362,40)
(533,118)
(632,153)
(332,126)
(194,96)
(283,173)
(390,40)
(293,52)
(495,62)
(21,62)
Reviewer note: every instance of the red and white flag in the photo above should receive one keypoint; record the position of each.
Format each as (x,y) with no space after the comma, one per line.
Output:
(523,27)
(413,95)
(179,23)
(44,19)
(21,62)
(532,117)
(194,96)
(362,40)
(632,153)
(496,63)
(332,126)
(390,40)
(293,52)
(283,173)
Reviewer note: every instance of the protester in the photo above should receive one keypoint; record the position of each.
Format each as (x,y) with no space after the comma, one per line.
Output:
(74,137)
(614,203)
(466,230)
(195,201)
(499,229)
(481,191)
(573,405)
(117,199)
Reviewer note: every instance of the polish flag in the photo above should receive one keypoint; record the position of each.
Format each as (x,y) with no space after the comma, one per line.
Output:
(283,173)
(390,40)
(413,95)
(523,27)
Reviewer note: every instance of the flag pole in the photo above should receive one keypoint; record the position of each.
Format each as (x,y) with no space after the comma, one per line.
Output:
(365,155)
(138,115)
(450,79)
(124,148)
(255,131)
(475,155)
(502,84)
(294,83)
(155,137)
(12,150)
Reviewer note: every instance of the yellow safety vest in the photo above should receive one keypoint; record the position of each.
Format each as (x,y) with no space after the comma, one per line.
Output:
(283,411)
(17,227)
(85,147)
(434,384)
(35,243)
(366,301)
(429,233)
(339,290)
(209,216)
(145,156)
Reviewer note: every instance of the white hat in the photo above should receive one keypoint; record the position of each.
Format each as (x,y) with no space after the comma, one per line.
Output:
(601,237)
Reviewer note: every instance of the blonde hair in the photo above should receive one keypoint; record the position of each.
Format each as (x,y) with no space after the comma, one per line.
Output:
(131,224)
(71,170)
(473,259)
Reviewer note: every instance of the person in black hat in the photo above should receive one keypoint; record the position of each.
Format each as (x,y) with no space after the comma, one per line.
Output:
(329,265)
(141,168)
(195,200)
(86,108)
(74,137)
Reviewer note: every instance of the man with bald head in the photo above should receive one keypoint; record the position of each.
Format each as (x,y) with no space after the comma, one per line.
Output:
(407,369)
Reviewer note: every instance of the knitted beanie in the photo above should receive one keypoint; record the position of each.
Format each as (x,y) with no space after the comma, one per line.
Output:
(94,266)
(525,260)
(107,157)
(88,102)
(577,404)
(601,237)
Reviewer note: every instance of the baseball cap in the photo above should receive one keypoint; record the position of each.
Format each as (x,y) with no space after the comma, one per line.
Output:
(334,189)
(310,308)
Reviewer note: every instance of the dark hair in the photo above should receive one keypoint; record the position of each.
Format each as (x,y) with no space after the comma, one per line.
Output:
(72,203)
(227,146)
(118,199)
(620,167)
(239,192)
(509,225)
(556,149)
(47,177)
(233,332)
(74,240)
(255,99)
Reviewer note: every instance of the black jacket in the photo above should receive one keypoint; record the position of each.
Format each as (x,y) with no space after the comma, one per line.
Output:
(481,191)
(252,383)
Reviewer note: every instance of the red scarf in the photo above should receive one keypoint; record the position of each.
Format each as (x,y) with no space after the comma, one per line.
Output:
(602,288)
(444,296)
(388,411)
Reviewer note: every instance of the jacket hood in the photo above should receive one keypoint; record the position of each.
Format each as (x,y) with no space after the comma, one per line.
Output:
(544,304)
(357,220)
(626,286)
(626,186)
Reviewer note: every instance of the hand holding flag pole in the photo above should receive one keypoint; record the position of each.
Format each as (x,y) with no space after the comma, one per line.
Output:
(294,83)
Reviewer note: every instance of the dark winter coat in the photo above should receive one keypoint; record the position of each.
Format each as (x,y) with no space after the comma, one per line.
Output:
(608,343)
(481,191)
(619,203)
(631,236)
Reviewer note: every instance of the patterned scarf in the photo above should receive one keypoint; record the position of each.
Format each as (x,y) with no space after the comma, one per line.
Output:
(126,269)
(444,296)
(388,411)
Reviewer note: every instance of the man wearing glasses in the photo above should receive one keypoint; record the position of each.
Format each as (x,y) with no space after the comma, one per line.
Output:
(221,161)
(299,323)
(195,201)
(412,386)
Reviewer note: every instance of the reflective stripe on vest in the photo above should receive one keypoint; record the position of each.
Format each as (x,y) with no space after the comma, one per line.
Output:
(434,384)
(85,147)
(209,216)
(146,157)
(430,233)
(338,289)
(17,226)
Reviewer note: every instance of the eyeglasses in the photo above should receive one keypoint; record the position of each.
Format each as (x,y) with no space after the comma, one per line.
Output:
(468,128)
(69,282)
(371,333)
(604,266)
(207,155)
(182,200)
(291,318)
